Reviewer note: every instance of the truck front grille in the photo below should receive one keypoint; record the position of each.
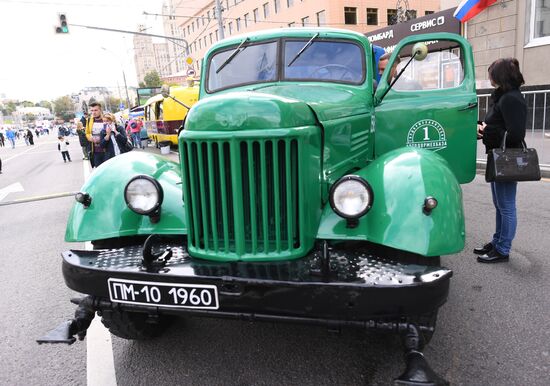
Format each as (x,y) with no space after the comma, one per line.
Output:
(243,197)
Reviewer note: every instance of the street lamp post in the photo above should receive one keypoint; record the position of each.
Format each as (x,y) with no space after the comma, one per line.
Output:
(123,76)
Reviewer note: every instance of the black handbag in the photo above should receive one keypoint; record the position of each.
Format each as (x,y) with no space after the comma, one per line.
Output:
(127,146)
(512,164)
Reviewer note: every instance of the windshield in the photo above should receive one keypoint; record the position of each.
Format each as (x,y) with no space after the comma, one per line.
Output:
(325,61)
(257,63)
(333,61)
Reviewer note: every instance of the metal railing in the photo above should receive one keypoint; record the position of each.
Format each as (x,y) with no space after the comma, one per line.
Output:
(537,126)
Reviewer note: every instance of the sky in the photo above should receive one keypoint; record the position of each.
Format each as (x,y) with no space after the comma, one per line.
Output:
(38,64)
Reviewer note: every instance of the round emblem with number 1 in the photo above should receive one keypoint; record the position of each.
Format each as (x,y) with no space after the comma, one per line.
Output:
(427,134)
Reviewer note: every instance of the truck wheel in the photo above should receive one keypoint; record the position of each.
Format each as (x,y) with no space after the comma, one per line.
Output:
(134,325)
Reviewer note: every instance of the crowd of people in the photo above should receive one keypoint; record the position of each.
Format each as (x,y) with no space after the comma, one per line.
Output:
(100,136)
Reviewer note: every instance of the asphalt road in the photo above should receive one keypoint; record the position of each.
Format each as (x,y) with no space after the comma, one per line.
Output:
(494,329)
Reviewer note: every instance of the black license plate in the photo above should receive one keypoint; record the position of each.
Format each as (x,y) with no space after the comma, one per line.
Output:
(202,296)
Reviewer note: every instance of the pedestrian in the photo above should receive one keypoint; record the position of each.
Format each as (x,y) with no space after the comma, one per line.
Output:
(84,144)
(134,127)
(113,137)
(94,125)
(10,135)
(63,147)
(2,138)
(0,165)
(30,137)
(507,113)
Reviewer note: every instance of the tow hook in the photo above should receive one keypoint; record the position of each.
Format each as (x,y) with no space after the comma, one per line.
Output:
(83,316)
(151,261)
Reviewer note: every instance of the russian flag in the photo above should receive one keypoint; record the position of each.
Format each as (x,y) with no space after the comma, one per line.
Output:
(469,8)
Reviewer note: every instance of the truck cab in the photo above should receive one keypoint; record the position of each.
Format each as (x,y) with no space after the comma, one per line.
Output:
(307,191)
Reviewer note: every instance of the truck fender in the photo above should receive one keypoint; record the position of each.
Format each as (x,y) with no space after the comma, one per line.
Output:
(108,215)
(401,180)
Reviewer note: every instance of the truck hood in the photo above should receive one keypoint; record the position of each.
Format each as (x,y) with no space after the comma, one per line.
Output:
(275,106)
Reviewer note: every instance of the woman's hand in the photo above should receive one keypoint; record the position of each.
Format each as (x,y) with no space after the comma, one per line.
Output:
(480,129)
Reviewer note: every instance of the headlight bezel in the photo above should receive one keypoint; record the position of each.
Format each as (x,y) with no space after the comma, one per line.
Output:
(154,211)
(367,187)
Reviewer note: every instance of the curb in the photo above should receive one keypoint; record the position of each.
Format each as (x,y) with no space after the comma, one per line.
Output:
(480,168)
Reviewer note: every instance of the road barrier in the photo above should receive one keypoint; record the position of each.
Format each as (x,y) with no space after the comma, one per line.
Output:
(537,125)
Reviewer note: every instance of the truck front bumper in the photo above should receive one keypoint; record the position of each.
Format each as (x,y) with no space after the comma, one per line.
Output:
(350,287)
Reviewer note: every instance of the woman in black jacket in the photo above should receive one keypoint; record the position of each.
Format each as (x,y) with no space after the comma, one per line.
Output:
(507,113)
(112,137)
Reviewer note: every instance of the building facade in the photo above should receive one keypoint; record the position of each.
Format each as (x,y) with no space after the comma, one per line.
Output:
(177,50)
(201,28)
(511,28)
(150,56)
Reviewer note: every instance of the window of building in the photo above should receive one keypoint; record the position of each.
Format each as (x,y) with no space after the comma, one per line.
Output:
(392,16)
(539,23)
(246,19)
(193,26)
(305,21)
(202,18)
(266,10)
(211,41)
(230,27)
(238,23)
(289,3)
(188,30)
(321,18)
(372,16)
(205,43)
(276,5)
(208,15)
(216,36)
(411,14)
(200,44)
(350,15)
(428,12)
(256,15)
(291,24)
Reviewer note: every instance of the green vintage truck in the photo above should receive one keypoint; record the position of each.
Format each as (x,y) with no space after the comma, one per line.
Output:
(309,189)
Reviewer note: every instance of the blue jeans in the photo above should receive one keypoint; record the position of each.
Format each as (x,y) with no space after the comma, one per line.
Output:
(136,139)
(504,199)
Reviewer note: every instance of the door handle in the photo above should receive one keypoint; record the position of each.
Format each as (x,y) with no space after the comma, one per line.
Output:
(471,105)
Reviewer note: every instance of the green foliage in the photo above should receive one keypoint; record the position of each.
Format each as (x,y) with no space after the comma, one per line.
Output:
(30,117)
(112,103)
(45,104)
(27,104)
(64,108)
(152,79)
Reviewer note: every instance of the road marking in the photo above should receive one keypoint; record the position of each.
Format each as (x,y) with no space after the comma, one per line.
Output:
(13,188)
(100,363)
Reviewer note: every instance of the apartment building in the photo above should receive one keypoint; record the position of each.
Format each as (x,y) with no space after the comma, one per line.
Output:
(149,56)
(201,29)
(171,26)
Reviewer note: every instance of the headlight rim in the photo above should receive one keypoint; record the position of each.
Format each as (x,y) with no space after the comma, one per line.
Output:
(160,192)
(363,182)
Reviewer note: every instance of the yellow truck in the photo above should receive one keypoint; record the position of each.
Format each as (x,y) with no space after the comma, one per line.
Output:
(165,116)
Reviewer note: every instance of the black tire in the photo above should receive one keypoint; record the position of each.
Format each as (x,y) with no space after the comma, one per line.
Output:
(134,325)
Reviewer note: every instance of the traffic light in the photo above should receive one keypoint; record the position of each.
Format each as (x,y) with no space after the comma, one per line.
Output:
(63,26)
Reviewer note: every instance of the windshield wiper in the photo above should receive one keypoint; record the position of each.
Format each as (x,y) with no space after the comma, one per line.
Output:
(233,54)
(303,49)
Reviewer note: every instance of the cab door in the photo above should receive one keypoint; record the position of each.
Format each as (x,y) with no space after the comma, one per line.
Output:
(433,105)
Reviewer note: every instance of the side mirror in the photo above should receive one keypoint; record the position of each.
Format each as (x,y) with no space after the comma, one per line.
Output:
(165,90)
(419,51)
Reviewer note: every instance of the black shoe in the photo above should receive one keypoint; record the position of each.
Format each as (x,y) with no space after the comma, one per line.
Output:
(484,249)
(493,256)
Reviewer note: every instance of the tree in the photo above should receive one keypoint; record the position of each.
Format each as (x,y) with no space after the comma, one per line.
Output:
(45,104)
(27,104)
(152,79)
(64,108)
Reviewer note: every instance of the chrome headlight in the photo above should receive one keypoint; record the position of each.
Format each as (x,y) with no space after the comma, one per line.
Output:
(143,195)
(351,197)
